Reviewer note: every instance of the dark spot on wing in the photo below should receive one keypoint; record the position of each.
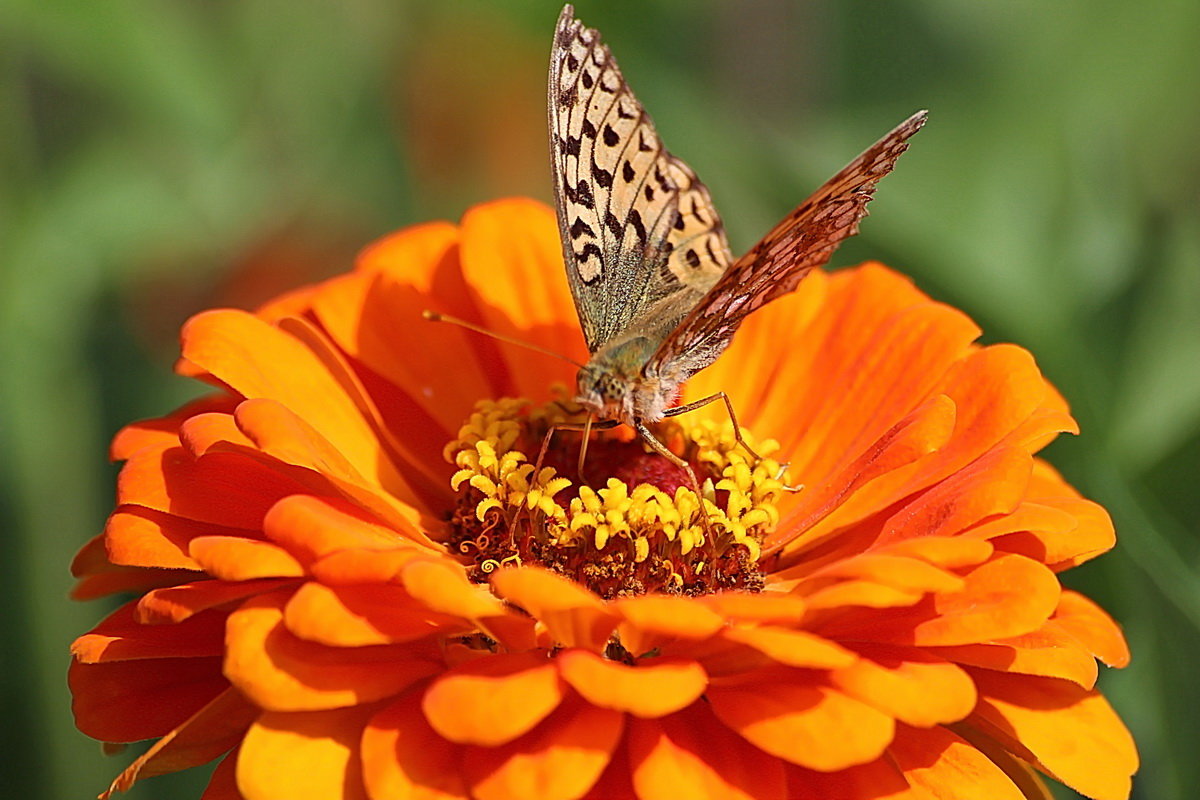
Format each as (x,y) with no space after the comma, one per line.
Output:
(586,79)
(589,130)
(602,176)
(613,224)
(572,62)
(579,227)
(628,172)
(649,192)
(610,136)
(635,219)
(583,195)
(693,260)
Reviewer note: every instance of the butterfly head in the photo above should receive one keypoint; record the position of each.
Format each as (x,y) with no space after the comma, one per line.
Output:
(613,384)
(604,392)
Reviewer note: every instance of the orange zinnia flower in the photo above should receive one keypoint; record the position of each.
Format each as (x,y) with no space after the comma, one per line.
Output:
(352,582)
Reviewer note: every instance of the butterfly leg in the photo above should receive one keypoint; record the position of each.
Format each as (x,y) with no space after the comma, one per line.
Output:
(712,398)
(660,448)
(586,428)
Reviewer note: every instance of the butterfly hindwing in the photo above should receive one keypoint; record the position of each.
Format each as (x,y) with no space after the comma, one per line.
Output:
(637,225)
(805,239)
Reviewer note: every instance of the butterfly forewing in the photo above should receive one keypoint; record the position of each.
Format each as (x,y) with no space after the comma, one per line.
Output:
(805,239)
(636,224)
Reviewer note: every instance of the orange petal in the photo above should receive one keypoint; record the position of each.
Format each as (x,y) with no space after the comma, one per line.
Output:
(141,537)
(404,758)
(1073,734)
(1008,596)
(259,360)
(908,684)
(442,586)
(905,574)
(559,760)
(766,607)
(121,637)
(312,527)
(310,755)
(177,603)
(281,672)
(574,616)
(793,648)
(208,733)
(354,616)
(211,431)
(163,432)
(282,435)
(994,484)
(512,257)
(877,780)
(654,687)
(919,433)
(651,619)
(693,755)
(128,701)
(941,765)
(945,552)
(378,320)
(804,721)
(1048,651)
(220,488)
(1091,626)
(235,559)
(491,701)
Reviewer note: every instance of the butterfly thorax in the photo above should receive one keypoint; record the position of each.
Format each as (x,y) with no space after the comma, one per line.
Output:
(613,385)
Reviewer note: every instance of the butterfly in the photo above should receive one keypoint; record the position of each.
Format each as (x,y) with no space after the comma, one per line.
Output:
(658,294)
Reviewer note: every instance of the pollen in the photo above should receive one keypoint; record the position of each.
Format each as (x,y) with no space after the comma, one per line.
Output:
(631,522)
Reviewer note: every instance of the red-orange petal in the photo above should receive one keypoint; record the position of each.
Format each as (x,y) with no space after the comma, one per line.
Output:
(803,721)
(356,616)
(693,755)
(654,687)
(232,558)
(908,684)
(1092,627)
(208,733)
(493,700)
(941,766)
(559,760)
(791,647)
(281,672)
(405,759)
(573,616)
(174,604)
(1072,733)
(310,755)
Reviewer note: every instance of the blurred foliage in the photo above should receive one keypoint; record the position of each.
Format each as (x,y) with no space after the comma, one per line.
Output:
(162,156)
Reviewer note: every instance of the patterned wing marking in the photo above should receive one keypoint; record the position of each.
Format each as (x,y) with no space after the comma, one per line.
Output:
(805,239)
(699,251)
(618,191)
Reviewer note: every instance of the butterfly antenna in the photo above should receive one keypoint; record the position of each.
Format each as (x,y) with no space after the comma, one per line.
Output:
(434,316)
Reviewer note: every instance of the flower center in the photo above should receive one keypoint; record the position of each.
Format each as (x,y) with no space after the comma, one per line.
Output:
(631,523)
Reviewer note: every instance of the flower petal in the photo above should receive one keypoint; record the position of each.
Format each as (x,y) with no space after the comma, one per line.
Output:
(128,701)
(355,616)
(208,733)
(653,688)
(310,755)
(693,755)
(944,767)
(492,700)
(559,760)
(235,559)
(908,684)
(404,758)
(281,672)
(1072,733)
(573,616)
(793,648)
(177,603)
(1091,626)
(804,721)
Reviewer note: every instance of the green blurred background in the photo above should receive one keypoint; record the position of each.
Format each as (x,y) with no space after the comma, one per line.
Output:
(158,157)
